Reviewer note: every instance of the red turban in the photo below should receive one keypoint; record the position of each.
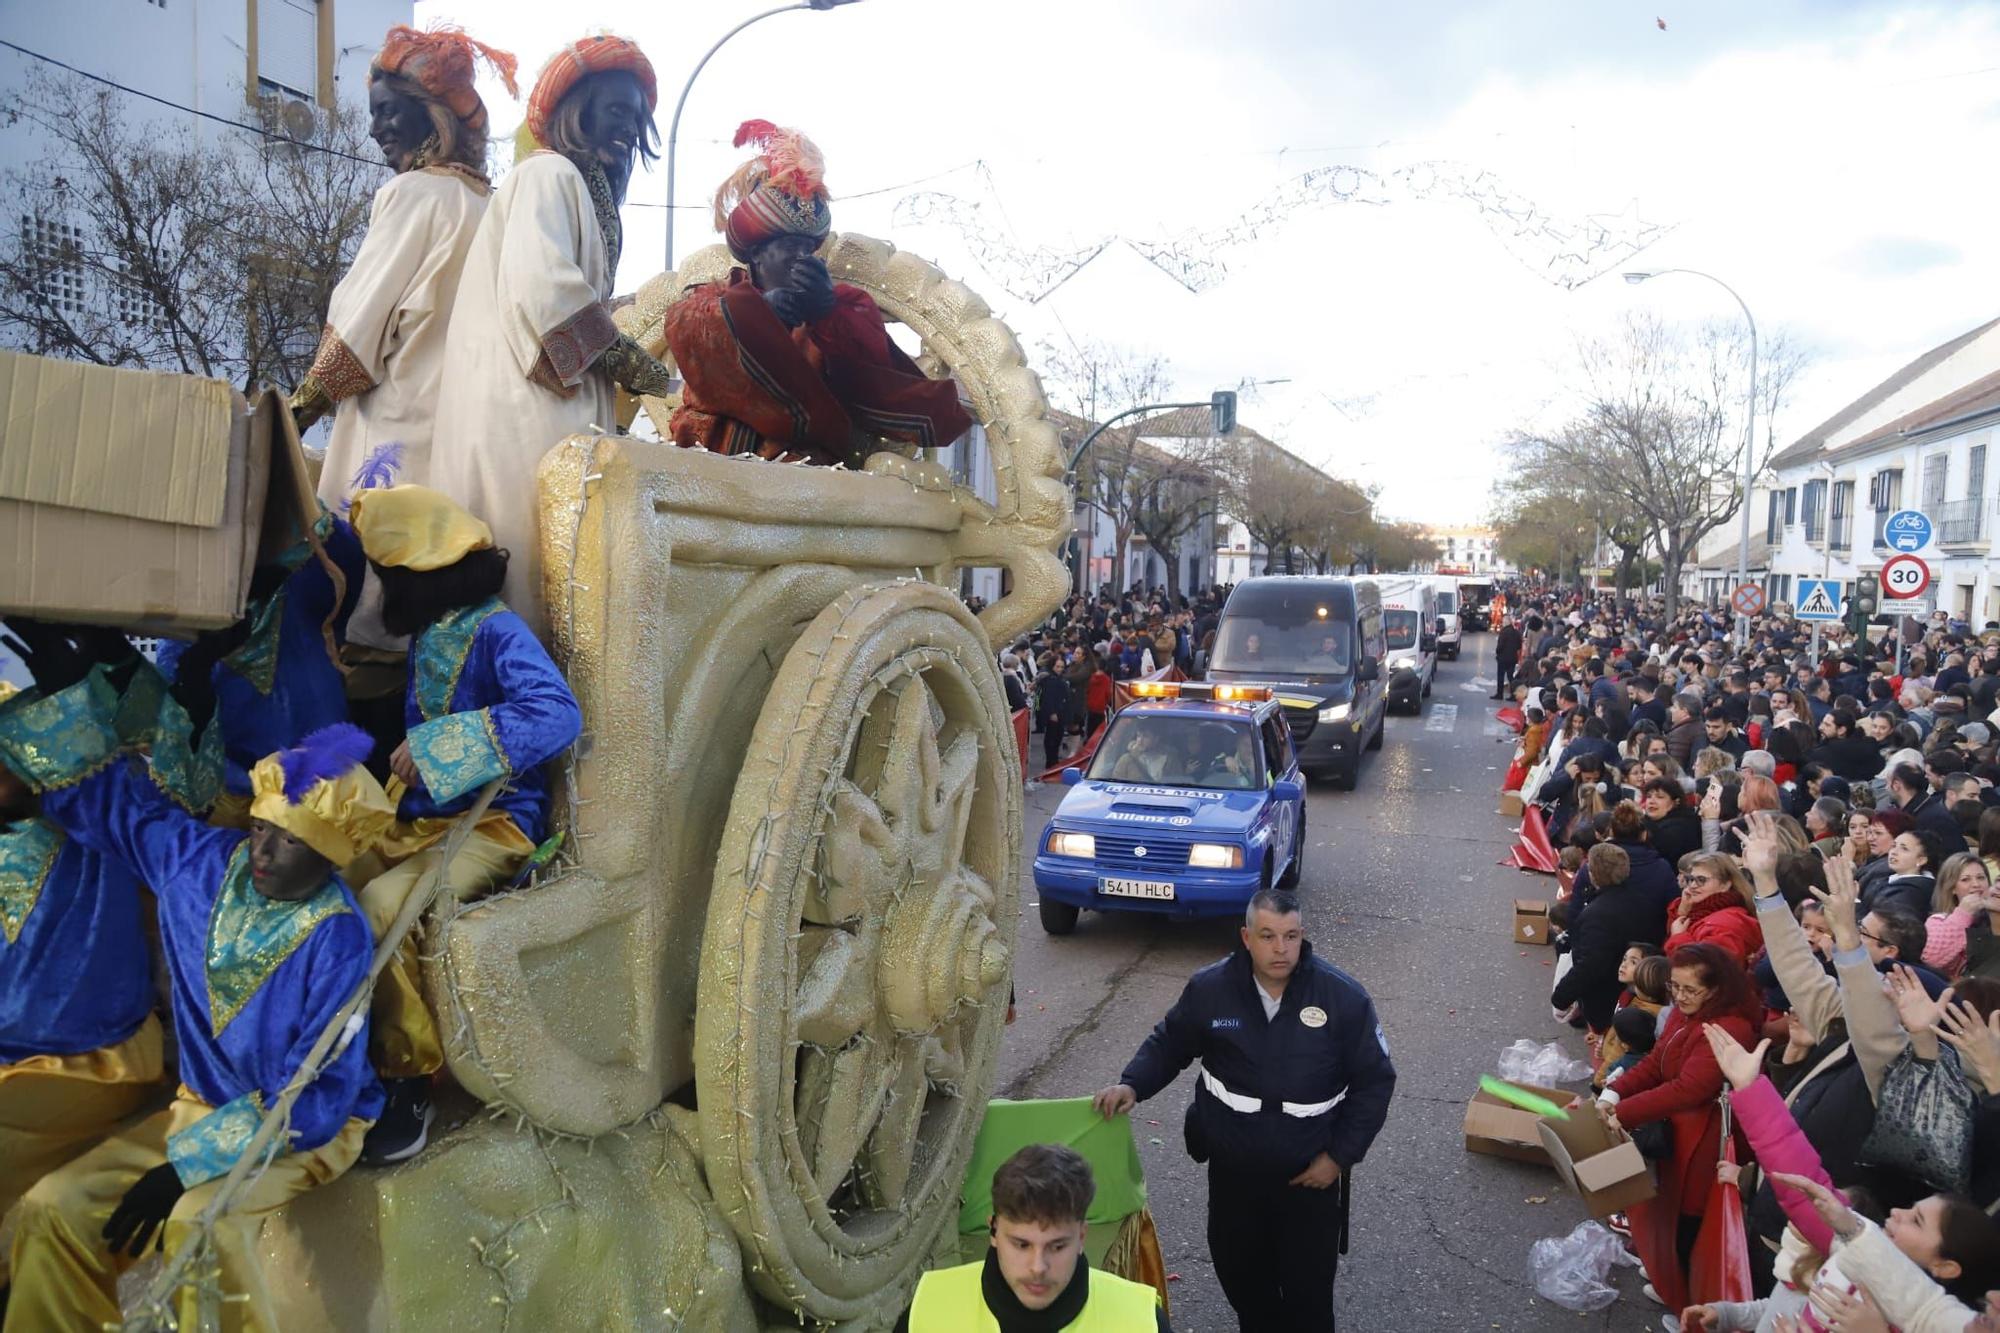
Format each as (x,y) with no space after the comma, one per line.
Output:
(578,60)
(440,62)
(779,192)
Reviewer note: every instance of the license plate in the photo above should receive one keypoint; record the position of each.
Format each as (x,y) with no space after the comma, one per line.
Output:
(1136,888)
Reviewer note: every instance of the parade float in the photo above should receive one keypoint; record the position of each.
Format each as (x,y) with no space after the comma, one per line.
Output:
(727,1056)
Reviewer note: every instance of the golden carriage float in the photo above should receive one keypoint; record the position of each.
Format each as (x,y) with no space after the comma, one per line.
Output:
(735,1050)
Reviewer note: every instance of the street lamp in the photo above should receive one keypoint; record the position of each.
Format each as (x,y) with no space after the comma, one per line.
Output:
(674,129)
(1749,430)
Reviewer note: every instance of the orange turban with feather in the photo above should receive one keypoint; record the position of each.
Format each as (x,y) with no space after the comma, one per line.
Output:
(440,62)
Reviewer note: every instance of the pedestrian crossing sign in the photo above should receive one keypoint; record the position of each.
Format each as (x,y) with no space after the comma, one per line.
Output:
(1819,599)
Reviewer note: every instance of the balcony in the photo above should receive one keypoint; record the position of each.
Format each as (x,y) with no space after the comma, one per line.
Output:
(1840,532)
(1881,539)
(1959,522)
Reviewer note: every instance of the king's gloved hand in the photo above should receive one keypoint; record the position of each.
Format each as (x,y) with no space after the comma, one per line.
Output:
(144,1210)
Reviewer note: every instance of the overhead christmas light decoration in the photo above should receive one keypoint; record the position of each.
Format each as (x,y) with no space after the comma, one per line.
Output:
(1567,253)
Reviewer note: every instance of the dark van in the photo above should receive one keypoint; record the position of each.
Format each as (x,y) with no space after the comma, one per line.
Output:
(1319,641)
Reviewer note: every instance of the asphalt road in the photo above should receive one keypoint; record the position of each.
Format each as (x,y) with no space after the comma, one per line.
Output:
(1403,890)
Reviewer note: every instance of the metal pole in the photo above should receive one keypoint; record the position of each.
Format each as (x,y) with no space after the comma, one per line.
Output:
(674,129)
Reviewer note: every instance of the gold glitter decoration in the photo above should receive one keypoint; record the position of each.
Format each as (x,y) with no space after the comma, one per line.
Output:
(788,884)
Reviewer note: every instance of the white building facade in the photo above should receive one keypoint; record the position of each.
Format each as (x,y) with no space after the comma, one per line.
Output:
(1466,551)
(1921,439)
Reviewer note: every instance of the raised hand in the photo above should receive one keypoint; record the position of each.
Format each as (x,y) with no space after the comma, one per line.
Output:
(1739,1066)
(1760,843)
(1978,1043)
(1841,900)
(1914,1005)
(1831,1208)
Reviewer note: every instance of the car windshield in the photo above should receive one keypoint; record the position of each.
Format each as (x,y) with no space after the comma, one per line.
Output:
(1296,634)
(1401,628)
(1161,749)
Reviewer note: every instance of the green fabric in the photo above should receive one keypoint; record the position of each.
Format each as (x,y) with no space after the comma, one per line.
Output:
(1107,1145)
(250,936)
(437,655)
(28,847)
(59,740)
(208,1148)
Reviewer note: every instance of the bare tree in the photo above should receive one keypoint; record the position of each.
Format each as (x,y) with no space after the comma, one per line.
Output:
(1093,378)
(139,245)
(1289,507)
(1661,428)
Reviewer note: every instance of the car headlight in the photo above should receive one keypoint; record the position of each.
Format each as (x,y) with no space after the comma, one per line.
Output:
(1333,714)
(1073,844)
(1214,856)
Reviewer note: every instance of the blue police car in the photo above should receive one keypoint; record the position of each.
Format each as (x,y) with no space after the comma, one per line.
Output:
(1191,804)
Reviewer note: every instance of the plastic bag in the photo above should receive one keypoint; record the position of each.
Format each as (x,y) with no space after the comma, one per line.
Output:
(1572,1270)
(1526,1062)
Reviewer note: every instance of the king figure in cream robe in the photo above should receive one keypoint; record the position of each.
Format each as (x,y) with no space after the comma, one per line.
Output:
(533,354)
(381,360)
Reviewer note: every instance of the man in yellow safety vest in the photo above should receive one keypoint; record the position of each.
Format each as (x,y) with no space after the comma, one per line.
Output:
(1035,1276)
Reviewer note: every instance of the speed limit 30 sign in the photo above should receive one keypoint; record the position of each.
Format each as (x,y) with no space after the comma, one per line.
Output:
(1905,576)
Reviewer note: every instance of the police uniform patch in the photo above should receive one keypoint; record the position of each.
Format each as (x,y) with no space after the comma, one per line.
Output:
(1313,1016)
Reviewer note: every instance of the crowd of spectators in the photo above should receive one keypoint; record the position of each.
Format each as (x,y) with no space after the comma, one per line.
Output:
(1780,876)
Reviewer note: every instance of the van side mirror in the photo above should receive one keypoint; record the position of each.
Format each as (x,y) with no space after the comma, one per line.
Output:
(1369,669)
(1285,789)
(1440,626)
(1071,776)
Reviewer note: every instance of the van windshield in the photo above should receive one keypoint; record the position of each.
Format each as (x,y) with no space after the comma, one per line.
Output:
(1161,749)
(1448,603)
(1287,640)
(1400,627)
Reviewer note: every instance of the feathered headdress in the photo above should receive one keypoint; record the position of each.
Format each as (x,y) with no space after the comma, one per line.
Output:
(781,191)
(377,470)
(321,793)
(440,61)
(323,754)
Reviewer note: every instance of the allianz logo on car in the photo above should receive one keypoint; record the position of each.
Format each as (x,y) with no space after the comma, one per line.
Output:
(1178,821)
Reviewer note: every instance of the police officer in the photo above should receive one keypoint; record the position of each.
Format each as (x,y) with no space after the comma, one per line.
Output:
(1295,1084)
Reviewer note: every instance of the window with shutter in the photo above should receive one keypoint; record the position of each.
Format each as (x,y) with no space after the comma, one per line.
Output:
(1934,474)
(1975,472)
(288,46)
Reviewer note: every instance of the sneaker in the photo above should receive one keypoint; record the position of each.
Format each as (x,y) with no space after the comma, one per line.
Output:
(1670,1323)
(1652,1295)
(1619,1223)
(404,1125)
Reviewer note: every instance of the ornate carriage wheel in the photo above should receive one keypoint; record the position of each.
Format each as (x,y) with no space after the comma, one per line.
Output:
(857,950)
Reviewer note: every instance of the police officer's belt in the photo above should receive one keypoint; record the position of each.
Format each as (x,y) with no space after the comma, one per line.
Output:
(1236,1101)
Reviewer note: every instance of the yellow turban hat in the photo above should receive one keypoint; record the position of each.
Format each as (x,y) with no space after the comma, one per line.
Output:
(415,527)
(320,793)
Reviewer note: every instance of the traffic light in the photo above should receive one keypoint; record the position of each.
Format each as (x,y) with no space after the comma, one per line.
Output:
(1223,407)
(1866,600)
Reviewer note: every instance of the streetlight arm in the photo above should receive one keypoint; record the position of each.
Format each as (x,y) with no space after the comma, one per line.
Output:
(1108,422)
(674,128)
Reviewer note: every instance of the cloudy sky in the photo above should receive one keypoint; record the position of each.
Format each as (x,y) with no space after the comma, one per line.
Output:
(1822,157)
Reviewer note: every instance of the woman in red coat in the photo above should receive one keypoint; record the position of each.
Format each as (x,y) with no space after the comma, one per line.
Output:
(1678,1083)
(1714,908)
(1096,698)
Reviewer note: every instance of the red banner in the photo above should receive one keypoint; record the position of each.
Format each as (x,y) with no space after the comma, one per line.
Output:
(1021,735)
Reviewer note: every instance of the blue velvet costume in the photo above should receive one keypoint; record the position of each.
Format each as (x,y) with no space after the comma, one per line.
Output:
(485,701)
(254,981)
(280,684)
(75,968)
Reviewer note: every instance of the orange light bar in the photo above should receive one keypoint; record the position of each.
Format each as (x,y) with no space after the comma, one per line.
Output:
(1242,693)
(1156,689)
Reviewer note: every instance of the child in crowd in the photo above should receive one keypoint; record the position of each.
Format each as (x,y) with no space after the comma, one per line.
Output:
(1611,1055)
(1649,988)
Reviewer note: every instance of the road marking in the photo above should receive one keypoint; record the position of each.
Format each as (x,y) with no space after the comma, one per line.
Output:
(1443,717)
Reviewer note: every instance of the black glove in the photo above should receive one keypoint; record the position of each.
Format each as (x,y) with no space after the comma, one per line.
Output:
(814,286)
(47,652)
(193,686)
(786,305)
(144,1210)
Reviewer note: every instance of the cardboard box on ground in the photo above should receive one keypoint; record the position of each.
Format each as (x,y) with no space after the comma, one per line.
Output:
(1501,1129)
(1531,921)
(1511,805)
(1601,1164)
(139,499)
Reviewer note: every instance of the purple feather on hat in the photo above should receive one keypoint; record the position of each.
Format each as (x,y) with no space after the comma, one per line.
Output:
(324,754)
(378,469)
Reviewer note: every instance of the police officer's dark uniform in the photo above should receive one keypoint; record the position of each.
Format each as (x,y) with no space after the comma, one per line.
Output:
(1274,1094)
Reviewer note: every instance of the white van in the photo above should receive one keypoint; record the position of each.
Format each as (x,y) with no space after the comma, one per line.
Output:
(1450,630)
(1409,628)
